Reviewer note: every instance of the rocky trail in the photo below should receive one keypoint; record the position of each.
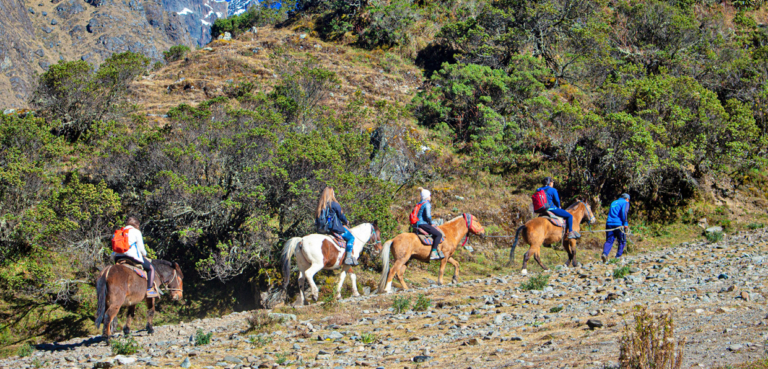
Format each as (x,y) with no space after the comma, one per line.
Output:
(715,292)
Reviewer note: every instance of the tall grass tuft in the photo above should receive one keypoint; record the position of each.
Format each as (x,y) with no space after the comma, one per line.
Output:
(650,343)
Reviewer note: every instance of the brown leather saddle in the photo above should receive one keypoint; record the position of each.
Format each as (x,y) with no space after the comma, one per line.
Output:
(425,237)
(133,265)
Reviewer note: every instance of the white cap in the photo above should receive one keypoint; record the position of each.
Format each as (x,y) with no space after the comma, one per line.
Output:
(425,194)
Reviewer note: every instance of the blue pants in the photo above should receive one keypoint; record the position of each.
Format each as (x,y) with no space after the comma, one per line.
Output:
(347,236)
(610,237)
(565,215)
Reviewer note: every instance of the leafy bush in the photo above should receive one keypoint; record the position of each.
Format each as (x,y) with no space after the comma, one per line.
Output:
(422,303)
(650,343)
(556,309)
(537,282)
(714,236)
(265,13)
(753,226)
(367,338)
(401,304)
(25,350)
(124,346)
(281,358)
(260,340)
(202,338)
(621,272)
(389,23)
(175,53)
(79,96)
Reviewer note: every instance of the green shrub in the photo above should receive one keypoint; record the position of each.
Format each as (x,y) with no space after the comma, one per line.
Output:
(267,12)
(25,350)
(124,346)
(714,236)
(621,272)
(389,23)
(422,303)
(202,338)
(260,321)
(367,338)
(537,282)
(556,309)
(753,226)
(260,340)
(401,304)
(175,53)
(281,358)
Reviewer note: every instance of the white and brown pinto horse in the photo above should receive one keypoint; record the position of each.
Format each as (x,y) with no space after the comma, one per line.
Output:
(317,251)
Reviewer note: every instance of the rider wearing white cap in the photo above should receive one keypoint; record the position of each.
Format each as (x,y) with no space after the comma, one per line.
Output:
(425,223)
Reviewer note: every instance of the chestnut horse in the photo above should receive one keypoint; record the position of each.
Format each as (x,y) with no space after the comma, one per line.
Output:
(406,246)
(538,231)
(317,251)
(119,286)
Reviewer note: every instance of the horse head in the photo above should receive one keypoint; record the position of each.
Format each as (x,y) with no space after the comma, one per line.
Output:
(474,225)
(171,278)
(590,216)
(376,237)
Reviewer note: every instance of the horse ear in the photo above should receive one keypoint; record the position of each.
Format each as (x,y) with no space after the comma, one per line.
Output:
(376,224)
(178,269)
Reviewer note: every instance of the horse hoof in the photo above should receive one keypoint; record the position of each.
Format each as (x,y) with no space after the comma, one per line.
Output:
(524,272)
(356,294)
(126,331)
(150,330)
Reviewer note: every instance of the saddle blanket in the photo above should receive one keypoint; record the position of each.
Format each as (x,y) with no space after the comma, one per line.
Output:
(426,238)
(137,269)
(554,219)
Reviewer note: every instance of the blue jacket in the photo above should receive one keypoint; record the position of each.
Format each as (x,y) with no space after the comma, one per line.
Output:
(339,219)
(425,214)
(617,215)
(553,199)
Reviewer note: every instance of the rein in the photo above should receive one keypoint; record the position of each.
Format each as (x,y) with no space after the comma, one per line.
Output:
(166,284)
(468,219)
(367,245)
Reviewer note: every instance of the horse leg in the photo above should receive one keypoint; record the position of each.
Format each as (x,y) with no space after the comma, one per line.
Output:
(443,262)
(150,315)
(392,273)
(401,276)
(342,277)
(310,275)
(572,255)
(455,270)
(128,319)
(353,277)
(302,283)
(525,262)
(537,257)
(111,315)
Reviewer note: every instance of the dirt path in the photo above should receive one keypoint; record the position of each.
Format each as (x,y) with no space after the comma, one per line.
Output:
(714,291)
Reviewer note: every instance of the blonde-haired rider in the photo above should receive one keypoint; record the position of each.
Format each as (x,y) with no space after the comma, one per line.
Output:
(336,221)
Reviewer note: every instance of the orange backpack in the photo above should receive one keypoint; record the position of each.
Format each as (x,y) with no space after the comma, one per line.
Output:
(120,242)
(414,218)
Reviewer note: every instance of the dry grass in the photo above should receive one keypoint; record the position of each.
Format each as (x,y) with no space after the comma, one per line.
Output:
(260,322)
(651,343)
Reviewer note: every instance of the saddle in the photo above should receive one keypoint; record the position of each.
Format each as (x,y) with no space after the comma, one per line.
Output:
(554,219)
(132,265)
(425,237)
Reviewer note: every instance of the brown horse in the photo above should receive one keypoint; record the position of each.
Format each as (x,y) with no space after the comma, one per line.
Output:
(406,246)
(538,231)
(119,286)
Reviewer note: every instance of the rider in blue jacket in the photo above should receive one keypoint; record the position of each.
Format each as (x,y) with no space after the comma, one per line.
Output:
(425,223)
(553,201)
(338,222)
(617,220)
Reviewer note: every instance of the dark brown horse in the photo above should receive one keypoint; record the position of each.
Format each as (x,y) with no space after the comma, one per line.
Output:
(538,231)
(118,286)
(406,246)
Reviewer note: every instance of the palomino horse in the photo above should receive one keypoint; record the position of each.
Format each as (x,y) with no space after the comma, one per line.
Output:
(538,231)
(406,246)
(317,251)
(119,286)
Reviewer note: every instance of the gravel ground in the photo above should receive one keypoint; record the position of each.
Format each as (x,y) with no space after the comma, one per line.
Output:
(714,292)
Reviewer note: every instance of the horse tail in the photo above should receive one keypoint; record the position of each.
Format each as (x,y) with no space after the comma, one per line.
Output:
(285,258)
(514,245)
(101,293)
(384,266)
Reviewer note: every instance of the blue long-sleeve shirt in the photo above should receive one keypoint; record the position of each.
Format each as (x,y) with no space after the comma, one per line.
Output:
(425,214)
(337,226)
(618,214)
(553,199)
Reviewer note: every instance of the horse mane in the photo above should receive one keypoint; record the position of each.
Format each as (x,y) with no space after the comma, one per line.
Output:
(168,264)
(574,205)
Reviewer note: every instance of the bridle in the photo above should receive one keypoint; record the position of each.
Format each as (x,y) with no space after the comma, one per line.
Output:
(167,283)
(590,216)
(468,219)
(368,245)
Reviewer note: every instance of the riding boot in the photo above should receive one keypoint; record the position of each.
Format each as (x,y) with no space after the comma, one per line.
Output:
(151,292)
(440,253)
(572,235)
(350,259)
(434,255)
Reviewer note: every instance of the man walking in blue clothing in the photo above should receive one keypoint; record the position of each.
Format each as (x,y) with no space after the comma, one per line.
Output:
(617,218)
(553,202)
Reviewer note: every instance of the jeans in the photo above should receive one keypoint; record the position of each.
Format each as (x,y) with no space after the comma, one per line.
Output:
(437,237)
(347,236)
(611,236)
(565,215)
(150,272)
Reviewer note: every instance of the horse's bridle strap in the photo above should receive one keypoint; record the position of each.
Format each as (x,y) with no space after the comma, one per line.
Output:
(166,283)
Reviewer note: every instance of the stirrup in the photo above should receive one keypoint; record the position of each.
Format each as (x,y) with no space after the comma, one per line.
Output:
(350,260)
(152,293)
(434,255)
(572,235)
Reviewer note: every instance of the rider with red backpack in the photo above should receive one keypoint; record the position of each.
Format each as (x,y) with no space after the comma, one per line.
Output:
(546,199)
(128,243)
(421,218)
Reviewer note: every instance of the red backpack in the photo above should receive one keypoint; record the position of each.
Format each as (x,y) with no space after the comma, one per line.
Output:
(120,242)
(539,201)
(414,218)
